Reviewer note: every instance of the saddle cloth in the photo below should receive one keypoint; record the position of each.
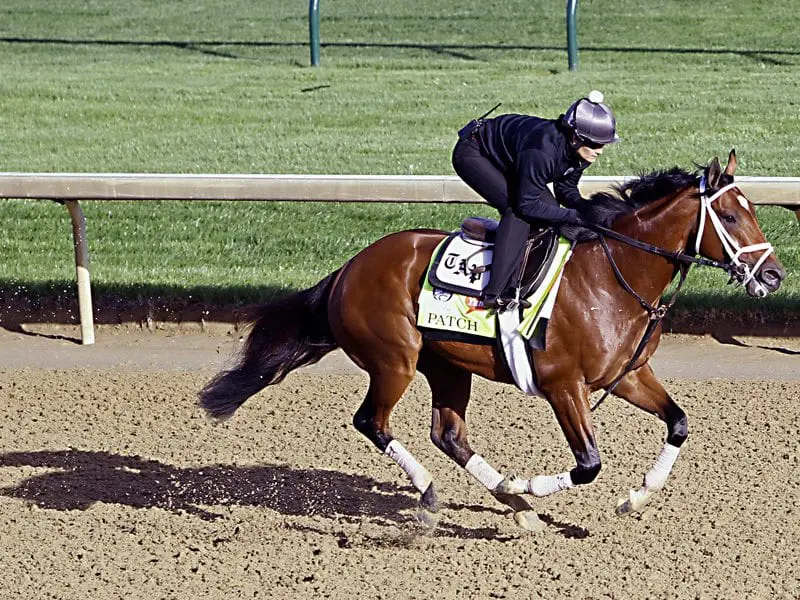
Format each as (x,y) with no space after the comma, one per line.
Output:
(458,265)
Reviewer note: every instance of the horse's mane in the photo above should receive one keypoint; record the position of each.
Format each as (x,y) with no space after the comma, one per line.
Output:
(606,207)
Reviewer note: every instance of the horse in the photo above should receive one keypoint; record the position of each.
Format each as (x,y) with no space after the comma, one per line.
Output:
(609,293)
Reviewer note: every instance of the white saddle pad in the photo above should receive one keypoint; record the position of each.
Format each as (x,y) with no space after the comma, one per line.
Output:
(462,266)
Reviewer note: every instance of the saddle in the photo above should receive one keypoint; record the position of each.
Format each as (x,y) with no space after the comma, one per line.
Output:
(463,263)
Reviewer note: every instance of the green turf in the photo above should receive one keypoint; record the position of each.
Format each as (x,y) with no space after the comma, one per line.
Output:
(203,87)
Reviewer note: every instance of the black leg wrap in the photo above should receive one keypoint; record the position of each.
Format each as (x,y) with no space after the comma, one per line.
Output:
(429,501)
(588,467)
(677,427)
(583,475)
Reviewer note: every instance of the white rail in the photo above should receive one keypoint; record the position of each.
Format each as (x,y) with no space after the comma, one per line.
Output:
(70,188)
(310,188)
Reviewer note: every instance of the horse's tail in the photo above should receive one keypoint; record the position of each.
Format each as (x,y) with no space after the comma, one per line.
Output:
(288,333)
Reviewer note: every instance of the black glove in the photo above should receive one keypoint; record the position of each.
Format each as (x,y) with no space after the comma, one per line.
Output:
(574,228)
(573,217)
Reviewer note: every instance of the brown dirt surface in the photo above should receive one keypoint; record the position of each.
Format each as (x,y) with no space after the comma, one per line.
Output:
(113,484)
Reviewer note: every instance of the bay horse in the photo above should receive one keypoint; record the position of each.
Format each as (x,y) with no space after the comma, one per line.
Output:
(368,308)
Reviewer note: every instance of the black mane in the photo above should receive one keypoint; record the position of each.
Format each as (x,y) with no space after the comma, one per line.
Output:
(605,207)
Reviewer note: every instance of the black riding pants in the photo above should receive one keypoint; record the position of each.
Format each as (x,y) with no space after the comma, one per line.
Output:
(481,175)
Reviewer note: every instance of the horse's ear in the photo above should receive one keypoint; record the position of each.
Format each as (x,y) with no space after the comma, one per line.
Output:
(730,169)
(714,173)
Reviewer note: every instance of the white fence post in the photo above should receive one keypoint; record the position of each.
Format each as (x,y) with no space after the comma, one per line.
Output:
(82,270)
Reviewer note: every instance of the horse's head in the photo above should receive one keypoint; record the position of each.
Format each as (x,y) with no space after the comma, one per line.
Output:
(729,232)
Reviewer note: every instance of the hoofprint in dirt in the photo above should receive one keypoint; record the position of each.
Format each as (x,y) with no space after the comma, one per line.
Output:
(113,484)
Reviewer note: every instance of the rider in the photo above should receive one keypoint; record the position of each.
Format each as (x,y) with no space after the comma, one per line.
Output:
(510,159)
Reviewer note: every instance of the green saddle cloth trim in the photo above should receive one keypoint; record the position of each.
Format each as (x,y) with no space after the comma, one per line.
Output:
(543,298)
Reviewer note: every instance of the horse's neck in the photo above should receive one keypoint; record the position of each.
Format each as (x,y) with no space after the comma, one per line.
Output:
(666,223)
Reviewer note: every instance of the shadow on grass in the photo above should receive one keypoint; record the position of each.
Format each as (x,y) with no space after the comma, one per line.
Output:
(56,302)
(726,316)
(460,51)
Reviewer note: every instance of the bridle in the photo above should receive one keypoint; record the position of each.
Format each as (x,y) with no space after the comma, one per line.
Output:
(743,271)
(738,270)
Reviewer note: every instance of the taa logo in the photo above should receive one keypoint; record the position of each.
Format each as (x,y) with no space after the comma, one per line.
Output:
(455,264)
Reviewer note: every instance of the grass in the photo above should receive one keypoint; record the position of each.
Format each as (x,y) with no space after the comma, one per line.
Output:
(203,87)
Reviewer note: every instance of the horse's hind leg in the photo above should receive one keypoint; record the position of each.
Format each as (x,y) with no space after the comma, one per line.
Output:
(642,389)
(386,386)
(450,389)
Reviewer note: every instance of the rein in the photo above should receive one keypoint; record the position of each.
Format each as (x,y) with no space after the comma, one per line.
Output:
(656,314)
(680,257)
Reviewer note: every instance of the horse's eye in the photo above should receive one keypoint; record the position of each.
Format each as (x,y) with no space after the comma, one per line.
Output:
(729,218)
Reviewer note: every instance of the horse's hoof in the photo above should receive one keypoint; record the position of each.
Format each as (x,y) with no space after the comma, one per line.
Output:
(511,485)
(524,515)
(427,520)
(623,508)
(529,521)
(636,502)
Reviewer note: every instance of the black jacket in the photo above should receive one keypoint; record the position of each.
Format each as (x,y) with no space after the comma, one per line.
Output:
(535,152)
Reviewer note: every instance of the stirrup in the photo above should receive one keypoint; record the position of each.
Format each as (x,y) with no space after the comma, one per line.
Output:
(513,303)
(500,303)
(494,303)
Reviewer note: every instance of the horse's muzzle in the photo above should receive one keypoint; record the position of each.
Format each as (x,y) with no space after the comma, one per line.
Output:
(767,280)
(772,278)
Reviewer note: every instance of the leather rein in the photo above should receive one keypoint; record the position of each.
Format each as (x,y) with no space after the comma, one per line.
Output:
(656,314)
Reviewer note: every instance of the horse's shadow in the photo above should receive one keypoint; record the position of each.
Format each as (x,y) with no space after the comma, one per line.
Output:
(77,479)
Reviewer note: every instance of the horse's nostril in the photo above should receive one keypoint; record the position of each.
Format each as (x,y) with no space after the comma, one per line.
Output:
(772,277)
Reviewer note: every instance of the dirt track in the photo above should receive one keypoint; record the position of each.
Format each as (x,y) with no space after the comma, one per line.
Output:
(112,484)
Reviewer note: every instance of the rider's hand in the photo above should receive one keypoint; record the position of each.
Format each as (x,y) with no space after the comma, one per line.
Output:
(574,228)
(574,218)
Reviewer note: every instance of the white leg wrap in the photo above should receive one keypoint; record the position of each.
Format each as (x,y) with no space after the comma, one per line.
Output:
(418,474)
(544,485)
(656,477)
(483,472)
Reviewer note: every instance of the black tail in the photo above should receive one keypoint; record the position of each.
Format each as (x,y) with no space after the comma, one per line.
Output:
(286,334)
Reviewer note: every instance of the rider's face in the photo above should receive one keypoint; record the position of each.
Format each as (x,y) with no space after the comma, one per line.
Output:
(589,154)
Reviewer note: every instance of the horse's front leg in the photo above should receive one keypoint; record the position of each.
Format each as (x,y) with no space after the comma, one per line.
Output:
(570,403)
(642,389)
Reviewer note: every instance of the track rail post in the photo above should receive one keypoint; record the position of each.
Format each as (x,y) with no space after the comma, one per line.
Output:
(313,31)
(82,271)
(572,34)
